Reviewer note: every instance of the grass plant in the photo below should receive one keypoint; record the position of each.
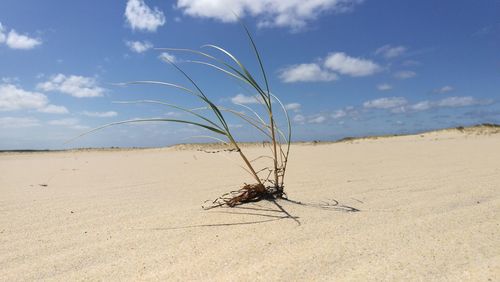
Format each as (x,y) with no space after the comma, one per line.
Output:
(265,186)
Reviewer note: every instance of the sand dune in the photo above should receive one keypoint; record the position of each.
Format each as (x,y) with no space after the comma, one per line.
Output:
(429,210)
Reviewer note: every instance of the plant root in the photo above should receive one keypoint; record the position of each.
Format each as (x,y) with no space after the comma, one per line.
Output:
(248,193)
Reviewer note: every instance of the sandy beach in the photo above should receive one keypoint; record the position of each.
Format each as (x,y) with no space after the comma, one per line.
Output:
(429,210)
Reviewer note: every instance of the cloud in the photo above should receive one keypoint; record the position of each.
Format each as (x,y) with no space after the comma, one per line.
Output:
(449,102)
(444,89)
(306,73)
(385,103)
(293,107)
(72,123)
(384,87)
(141,17)
(242,99)
(76,86)
(2,34)
(345,112)
(269,13)
(390,52)
(13,98)
(101,114)
(344,64)
(18,122)
(405,74)
(462,102)
(299,119)
(167,57)
(53,109)
(138,46)
(19,41)
(317,119)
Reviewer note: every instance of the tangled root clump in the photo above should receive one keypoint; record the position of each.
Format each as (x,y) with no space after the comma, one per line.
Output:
(248,193)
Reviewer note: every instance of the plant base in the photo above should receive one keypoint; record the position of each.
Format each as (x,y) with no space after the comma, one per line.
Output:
(248,193)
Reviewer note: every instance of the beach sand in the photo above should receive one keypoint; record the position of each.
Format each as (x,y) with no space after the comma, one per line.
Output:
(429,210)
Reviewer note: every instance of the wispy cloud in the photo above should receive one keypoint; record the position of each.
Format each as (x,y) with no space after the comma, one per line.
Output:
(299,119)
(53,109)
(141,17)
(404,74)
(269,13)
(389,52)
(18,122)
(295,107)
(444,89)
(71,123)
(2,33)
(401,105)
(317,119)
(385,103)
(101,114)
(243,99)
(168,57)
(139,46)
(74,85)
(384,87)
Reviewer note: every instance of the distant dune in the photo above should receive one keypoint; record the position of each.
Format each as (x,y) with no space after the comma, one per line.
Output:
(429,209)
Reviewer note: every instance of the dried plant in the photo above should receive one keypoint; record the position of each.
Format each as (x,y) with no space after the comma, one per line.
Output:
(270,186)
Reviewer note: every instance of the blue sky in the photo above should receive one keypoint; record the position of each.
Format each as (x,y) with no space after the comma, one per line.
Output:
(343,67)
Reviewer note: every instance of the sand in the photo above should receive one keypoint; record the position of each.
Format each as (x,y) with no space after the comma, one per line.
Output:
(430,210)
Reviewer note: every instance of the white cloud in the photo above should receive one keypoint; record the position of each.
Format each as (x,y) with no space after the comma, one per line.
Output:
(344,64)
(167,57)
(293,107)
(339,114)
(13,98)
(318,119)
(269,13)
(141,17)
(421,106)
(71,123)
(138,46)
(53,109)
(390,52)
(76,86)
(444,89)
(405,74)
(100,114)
(242,99)
(305,73)
(19,41)
(64,122)
(450,102)
(299,119)
(462,102)
(16,122)
(384,87)
(385,103)
(2,34)
(346,112)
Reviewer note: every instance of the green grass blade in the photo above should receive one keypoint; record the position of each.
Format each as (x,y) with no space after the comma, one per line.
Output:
(213,129)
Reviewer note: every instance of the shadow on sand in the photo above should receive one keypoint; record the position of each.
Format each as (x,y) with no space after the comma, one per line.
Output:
(270,214)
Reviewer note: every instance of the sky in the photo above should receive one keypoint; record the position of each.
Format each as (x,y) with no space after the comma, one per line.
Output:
(342,67)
